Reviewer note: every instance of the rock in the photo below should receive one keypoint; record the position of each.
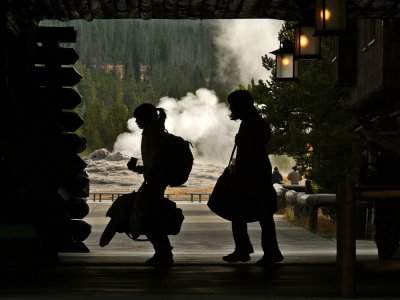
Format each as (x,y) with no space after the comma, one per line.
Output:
(117,157)
(99,154)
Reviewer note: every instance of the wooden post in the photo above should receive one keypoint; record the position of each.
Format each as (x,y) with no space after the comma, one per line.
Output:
(313,218)
(369,221)
(4,73)
(346,245)
(308,187)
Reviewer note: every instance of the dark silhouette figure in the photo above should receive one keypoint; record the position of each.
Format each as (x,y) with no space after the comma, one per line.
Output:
(151,120)
(276,176)
(253,173)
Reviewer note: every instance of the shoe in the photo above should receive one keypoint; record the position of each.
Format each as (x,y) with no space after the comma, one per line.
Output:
(162,260)
(236,257)
(266,261)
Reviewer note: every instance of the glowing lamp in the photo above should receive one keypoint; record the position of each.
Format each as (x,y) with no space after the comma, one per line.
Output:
(330,17)
(306,44)
(286,65)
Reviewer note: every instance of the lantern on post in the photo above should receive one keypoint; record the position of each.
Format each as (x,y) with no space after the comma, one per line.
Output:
(306,44)
(286,65)
(330,17)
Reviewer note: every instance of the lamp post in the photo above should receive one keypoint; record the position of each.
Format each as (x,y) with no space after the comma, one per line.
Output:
(286,65)
(330,17)
(306,44)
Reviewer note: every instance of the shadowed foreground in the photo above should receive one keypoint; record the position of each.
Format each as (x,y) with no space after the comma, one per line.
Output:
(309,268)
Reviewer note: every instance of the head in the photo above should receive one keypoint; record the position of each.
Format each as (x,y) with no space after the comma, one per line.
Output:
(276,169)
(241,104)
(294,168)
(147,114)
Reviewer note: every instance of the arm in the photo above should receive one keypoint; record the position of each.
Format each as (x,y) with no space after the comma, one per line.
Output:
(133,167)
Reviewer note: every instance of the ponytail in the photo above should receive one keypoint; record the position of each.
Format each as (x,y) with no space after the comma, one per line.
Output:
(161,116)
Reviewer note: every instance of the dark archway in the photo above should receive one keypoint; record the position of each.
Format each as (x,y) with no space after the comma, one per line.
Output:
(41,190)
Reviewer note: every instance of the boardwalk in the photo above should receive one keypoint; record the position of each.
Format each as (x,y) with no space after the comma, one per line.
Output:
(309,268)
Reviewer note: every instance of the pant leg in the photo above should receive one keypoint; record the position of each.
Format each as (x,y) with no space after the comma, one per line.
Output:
(241,237)
(159,240)
(269,242)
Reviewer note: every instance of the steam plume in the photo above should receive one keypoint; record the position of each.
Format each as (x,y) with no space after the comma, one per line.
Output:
(199,118)
(240,46)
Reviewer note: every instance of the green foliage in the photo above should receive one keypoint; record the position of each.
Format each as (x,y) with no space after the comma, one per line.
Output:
(311,112)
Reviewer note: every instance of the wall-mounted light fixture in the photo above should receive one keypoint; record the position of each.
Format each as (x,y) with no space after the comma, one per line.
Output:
(330,17)
(286,65)
(306,44)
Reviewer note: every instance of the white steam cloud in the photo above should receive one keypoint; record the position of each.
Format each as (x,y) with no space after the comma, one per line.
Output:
(241,44)
(199,118)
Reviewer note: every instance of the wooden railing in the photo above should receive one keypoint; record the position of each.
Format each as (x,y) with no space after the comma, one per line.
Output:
(304,203)
(306,206)
(199,195)
(100,196)
(347,195)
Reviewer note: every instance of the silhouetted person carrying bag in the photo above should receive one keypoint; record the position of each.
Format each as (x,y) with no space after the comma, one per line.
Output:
(249,193)
(167,160)
(151,120)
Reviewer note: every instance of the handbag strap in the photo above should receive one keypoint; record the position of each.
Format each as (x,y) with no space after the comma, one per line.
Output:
(233,151)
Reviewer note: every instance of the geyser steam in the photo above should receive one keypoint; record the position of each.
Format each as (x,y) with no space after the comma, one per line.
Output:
(199,118)
(240,45)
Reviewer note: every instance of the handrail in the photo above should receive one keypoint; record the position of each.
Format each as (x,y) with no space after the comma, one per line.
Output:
(310,201)
(377,192)
(317,200)
(113,195)
(99,195)
(348,193)
(198,194)
(345,201)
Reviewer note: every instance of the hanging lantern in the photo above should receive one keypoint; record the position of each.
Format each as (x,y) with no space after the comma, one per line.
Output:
(306,44)
(330,17)
(286,65)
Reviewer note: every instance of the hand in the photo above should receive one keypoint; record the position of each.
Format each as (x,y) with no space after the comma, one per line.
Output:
(138,169)
(133,167)
(132,163)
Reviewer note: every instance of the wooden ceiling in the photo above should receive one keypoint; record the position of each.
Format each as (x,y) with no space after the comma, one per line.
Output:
(22,12)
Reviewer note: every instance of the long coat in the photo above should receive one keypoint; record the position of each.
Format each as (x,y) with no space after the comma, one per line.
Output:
(253,169)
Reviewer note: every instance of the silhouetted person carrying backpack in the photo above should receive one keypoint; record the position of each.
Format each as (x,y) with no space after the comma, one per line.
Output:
(151,120)
(253,177)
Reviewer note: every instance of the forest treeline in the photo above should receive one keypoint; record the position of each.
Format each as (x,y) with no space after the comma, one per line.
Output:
(128,62)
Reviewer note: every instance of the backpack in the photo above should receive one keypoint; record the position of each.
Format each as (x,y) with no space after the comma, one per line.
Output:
(178,160)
